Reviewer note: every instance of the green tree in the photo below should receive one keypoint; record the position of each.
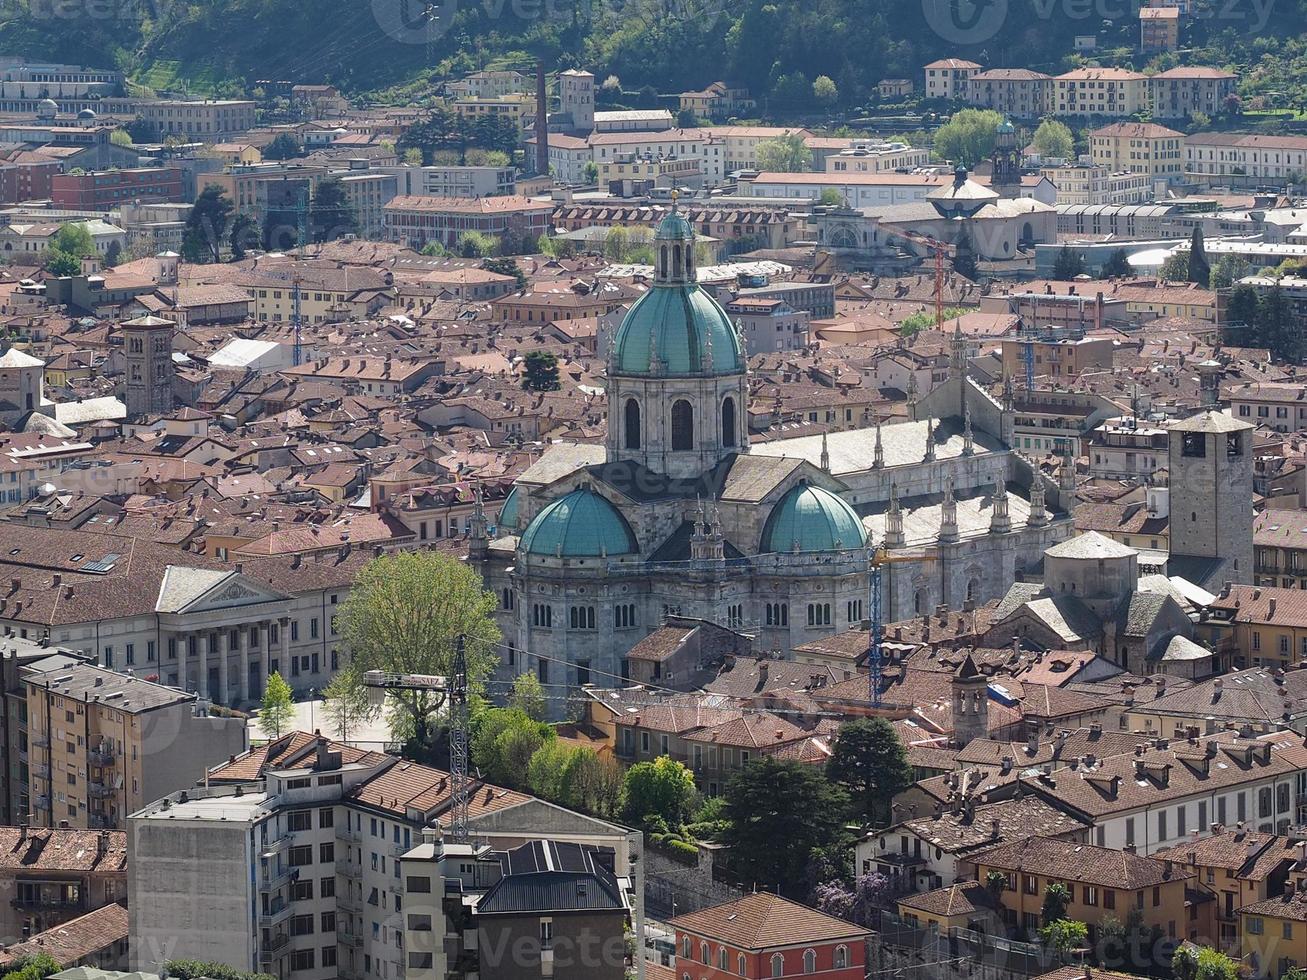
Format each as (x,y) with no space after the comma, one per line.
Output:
(475,245)
(617,244)
(503,743)
(1202,963)
(1226,271)
(60,264)
(331,216)
(278,708)
(547,768)
(506,266)
(1068,264)
(412,157)
(781,813)
(244,234)
(528,696)
(1056,899)
(824,91)
(686,119)
(968,137)
(662,788)
(404,614)
(68,246)
(139,131)
(120,137)
(787,154)
(995,884)
(1116,266)
(590,172)
(435,249)
(113,254)
(206,226)
(870,762)
(1053,139)
(284,146)
(197,970)
(31,967)
(346,703)
(1064,935)
(832,198)
(593,784)
(1199,270)
(541,371)
(1175,268)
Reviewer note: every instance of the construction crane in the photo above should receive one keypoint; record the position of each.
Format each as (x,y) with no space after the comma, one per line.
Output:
(302,234)
(878,557)
(454,687)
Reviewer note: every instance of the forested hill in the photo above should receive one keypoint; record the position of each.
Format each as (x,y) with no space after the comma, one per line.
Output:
(775,46)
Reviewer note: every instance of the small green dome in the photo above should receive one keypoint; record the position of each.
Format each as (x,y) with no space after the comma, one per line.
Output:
(674,227)
(1006,127)
(579,525)
(677,322)
(809,518)
(508,511)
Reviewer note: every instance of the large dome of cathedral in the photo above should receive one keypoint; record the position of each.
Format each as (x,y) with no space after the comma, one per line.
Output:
(676,327)
(808,519)
(581,524)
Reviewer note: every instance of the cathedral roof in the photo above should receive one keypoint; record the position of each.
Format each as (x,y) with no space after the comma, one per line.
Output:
(681,326)
(809,518)
(1090,545)
(581,524)
(509,511)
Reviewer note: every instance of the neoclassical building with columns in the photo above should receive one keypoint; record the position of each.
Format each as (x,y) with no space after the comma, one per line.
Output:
(677,513)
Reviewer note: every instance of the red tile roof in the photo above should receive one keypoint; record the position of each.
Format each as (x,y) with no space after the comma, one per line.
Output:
(764,921)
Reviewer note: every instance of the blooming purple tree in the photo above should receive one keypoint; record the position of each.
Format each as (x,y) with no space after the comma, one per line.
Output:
(859,904)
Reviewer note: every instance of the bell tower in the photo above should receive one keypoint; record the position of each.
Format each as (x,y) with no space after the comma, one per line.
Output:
(677,375)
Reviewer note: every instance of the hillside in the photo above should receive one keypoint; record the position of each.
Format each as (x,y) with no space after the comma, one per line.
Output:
(776,46)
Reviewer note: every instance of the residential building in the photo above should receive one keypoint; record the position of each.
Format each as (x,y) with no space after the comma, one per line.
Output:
(368,192)
(948,78)
(416,220)
(636,176)
(568,156)
(1182,91)
(1103,884)
(1280,546)
(684,144)
(327,293)
(1143,148)
(1058,354)
(455,181)
(1244,159)
(1016,92)
(206,121)
(633,121)
(769,324)
(717,101)
(740,143)
(316,854)
(1106,92)
(1094,184)
(764,935)
(103,190)
(96,940)
(876,156)
(1273,931)
(52,876)
(1277,405)
(492,84)
(1129,448)
(102,744)
(1266,625)
(1159,29)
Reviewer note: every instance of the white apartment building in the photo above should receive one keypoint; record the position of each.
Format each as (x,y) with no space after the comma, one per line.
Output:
(876,156)
(947,78)
(1244,159)
(492,85)
(1098,185)
(684,144)
(454,181)
(289,860)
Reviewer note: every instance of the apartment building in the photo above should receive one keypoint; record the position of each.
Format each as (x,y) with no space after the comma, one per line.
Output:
(492,84)
(101,744)
(207,121)
(740,143)
(438,181)
(102,190)
(1016,92)
(1266,625)
(568,157)
(1129,448)
(326,294)
(1104,884)
(368,192)
(1057,354)
(1244,159)
(1143,148)
(257,188)
(1273,931)
(1155,796)
(51,876)
(875,156)
(1261,700)
(948,78)
(1097,185)
(416,220)
(1159,29)
(1280,549)
(1277,405)
(769,324)
(683,144)
(306,846)
(1110,92)
(637,176)
(1180,92)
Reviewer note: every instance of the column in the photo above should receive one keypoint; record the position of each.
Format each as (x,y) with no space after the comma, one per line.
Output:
(283,661)
(202,642)
(243,665)
(265,653)
(223,695)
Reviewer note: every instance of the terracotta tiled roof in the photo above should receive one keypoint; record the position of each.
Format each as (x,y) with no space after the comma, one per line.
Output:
(1074,862)
(765,921)
(1251,855)
(76,939)
(62,850)
(964,898)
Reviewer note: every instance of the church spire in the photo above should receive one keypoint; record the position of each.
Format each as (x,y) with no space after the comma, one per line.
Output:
(879,461)
(894,519)
(1038,512)
(948,525)
(1000,520)
(825,454)
(930,440)
(968,445)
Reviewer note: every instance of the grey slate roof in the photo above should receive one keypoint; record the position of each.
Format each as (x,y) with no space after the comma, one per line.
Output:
(551,876)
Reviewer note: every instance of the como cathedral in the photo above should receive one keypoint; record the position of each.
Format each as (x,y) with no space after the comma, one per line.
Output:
(678,515)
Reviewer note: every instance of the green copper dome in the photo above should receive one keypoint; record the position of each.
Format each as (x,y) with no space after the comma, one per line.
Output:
(508,511)
(674,227)
(809,518)
(579,525)
(677,322)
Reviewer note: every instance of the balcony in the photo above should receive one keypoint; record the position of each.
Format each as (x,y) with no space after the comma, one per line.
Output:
(41,741)
(101,757)
(49,902)
(99,821)
(348,868)
(42,802)
(278,911)
(351,939)
(350,904)
(348,836)
(271,848)
(273,947)
(40,770)
(275,878)
(100,790)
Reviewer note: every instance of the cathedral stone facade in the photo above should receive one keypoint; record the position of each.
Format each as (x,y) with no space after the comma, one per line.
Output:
(677,514)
